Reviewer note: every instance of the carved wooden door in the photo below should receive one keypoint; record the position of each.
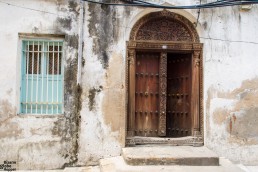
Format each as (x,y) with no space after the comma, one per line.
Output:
(147,94)
(178,95)
(162,94)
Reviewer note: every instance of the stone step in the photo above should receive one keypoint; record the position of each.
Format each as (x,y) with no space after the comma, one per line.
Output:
(170,155)
(117,164)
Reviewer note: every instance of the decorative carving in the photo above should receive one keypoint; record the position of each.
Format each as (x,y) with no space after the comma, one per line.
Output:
(195,98)
(131,44)
(131,86)
(164,26)
(197,62)
(196,56)
(131,57)
(127,94)
(201,96)
(162,94)
(169,45)
(130,141)
(197,46)
(188,43)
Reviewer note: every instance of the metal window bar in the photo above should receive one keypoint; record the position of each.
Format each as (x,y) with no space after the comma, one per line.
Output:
(27,74)
(32,80)
(37,85)
(47,73)
(57,106)
(38,67)
(42,78)
(53,69)
(61,71)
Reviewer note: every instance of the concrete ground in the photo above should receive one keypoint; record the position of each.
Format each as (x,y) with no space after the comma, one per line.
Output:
(166,159)
(109,168)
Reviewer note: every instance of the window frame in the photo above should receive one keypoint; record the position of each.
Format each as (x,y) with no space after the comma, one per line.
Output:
(54,40)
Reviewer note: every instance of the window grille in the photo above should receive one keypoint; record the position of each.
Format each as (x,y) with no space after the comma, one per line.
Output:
(42,77)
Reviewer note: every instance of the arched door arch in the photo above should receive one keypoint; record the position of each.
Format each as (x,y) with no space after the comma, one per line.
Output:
(157,42)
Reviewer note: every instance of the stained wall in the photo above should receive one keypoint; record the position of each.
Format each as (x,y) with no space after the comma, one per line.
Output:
(94,121)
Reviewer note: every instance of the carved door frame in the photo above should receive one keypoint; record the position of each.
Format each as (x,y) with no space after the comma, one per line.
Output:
(165,32)
(165,47)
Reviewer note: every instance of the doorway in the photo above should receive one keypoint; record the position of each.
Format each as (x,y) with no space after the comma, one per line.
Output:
(164,81)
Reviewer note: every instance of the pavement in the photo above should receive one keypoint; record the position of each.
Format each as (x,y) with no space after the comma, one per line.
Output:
(110,168)
(162,159)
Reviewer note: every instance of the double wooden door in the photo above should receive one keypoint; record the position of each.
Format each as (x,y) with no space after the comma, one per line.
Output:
(162,94)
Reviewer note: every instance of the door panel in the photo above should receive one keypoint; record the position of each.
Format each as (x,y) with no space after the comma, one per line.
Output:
(178,95)
(147,94)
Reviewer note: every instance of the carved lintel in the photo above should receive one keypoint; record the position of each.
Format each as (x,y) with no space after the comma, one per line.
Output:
(178,46)
(162,94)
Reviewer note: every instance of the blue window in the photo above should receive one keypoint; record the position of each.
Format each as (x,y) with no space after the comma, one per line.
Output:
(42,77)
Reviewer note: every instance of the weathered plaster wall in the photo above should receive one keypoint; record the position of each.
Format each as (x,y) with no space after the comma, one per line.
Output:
(38,141)
(229,70)
(230,89)
(93,125)
(103,98)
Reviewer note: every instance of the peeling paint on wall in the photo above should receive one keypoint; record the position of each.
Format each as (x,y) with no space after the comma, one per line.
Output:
(236,118)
